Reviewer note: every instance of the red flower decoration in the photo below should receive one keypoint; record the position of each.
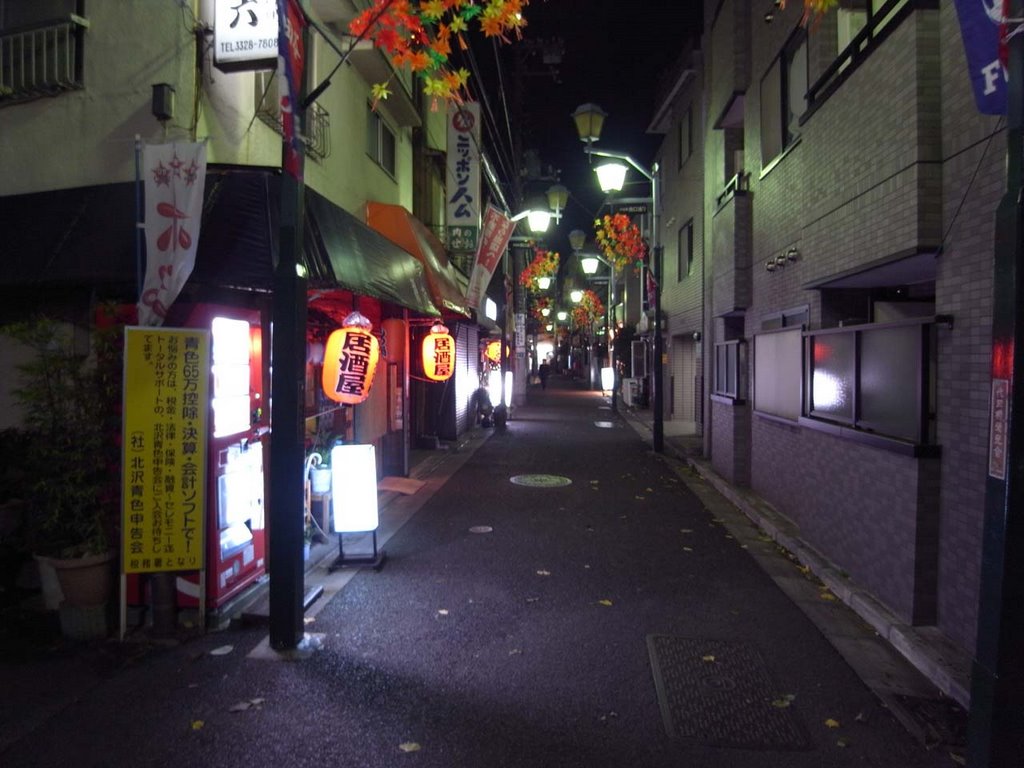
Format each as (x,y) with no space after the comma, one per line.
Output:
(620,240)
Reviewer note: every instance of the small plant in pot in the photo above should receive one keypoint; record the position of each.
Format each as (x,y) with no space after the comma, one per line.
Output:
(69,392)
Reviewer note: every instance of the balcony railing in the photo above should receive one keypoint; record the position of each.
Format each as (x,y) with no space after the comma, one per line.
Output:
(41,60)
(317,140)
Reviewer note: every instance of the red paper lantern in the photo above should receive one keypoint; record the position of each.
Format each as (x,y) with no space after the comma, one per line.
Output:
(439,354)
(350,360)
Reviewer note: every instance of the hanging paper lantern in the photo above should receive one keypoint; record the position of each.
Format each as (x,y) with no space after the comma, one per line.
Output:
(350,360)
(439,354)
(493,351)
(393,339)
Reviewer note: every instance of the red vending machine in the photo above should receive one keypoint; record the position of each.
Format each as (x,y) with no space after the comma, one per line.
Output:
(236,541)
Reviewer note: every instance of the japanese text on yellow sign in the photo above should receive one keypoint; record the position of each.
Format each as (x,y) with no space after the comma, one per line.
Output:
(163,486)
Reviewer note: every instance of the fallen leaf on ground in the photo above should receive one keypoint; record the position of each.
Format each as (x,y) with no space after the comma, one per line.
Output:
(532,599)
(686,530)
(784,701)
(244,705)
(514,652)
(605,602)
(197,725)
(595,482)
(827,596)
(842,742)
(708,658)
(543,573)
(442,611)
(830,723)
(409,746)
(640,497)
(958,759)
(649,490)
(223,650)
(687,549)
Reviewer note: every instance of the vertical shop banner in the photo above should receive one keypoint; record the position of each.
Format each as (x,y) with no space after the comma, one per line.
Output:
(175,175)
(494,237)
(163,481)
(984,36)
(290,64)
(463,179)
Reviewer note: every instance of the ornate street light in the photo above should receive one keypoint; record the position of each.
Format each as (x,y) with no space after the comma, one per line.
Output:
(589,119)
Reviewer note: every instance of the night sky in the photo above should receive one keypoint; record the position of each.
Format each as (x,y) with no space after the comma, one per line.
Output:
(614,52)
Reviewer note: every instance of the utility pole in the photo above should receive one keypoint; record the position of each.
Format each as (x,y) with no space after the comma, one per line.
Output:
(996,724)
(287,388)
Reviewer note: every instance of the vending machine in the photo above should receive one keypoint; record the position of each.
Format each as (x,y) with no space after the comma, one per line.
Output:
(236,541)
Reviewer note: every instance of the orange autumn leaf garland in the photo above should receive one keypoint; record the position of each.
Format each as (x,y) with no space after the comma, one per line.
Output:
(419,35)
(813,9)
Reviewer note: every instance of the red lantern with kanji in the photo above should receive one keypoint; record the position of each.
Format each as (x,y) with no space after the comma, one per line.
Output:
(438,354)
(350,360)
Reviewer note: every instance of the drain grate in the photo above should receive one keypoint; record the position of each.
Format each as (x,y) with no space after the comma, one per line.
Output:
(719,693)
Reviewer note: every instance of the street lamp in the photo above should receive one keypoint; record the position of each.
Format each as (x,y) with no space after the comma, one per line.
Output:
(589,119)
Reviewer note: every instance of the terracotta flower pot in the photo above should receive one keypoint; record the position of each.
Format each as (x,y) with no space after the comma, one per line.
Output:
(85,581)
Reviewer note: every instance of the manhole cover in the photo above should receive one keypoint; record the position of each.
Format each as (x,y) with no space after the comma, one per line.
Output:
(541,481)
(718,693)
(481,529)
(604,424)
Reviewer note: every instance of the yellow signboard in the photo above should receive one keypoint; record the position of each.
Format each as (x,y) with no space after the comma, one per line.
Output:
(163,484)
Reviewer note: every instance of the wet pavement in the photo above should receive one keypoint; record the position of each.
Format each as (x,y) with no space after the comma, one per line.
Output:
(554,595)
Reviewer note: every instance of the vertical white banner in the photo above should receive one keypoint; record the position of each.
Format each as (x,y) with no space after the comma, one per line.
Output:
(174,178)
(463,177)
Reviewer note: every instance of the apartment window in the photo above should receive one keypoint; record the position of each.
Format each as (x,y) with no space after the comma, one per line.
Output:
(873,378)
(858,27)
(685,250)
(686,136)
(380,141)
(729,364)
(784,98)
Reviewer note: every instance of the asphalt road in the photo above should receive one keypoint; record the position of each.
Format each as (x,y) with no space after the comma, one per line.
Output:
(529,644)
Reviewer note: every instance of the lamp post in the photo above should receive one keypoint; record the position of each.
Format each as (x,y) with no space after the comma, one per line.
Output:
(589,119)
(538,218)
(589,264)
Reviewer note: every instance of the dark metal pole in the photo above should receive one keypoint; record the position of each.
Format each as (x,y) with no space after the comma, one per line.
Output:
(658,426)
(996,724)
(288,355)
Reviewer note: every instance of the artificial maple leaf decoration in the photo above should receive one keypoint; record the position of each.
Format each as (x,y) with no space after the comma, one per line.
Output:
(418,35)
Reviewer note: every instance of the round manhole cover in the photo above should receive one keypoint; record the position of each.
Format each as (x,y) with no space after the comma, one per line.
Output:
(481,529)
(541,481)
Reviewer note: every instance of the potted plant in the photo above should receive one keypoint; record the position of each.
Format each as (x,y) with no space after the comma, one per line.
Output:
(69,390)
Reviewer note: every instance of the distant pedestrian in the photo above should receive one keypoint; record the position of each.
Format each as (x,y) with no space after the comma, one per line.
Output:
(544,371)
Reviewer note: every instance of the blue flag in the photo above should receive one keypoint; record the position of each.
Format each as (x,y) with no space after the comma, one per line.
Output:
(980,27)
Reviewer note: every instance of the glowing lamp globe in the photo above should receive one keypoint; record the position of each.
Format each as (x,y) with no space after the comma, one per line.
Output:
(611,176)
(350,361)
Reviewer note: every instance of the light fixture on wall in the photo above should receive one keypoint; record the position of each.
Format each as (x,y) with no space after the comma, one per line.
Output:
(780,260)
(792,254)
(162,105)
(770,265)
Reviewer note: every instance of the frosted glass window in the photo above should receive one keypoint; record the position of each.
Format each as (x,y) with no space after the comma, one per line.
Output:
(832,376)
(777,371)
(890,381)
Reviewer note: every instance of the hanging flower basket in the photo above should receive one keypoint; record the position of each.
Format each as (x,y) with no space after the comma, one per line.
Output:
(620,241)
(544,264)
(588,311)
(538,306)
